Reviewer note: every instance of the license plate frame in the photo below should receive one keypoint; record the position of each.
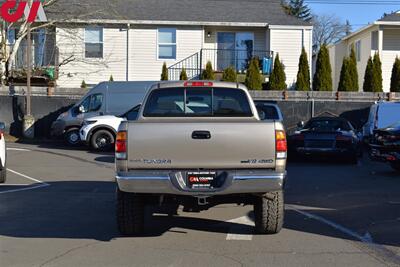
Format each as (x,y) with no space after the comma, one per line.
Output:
(201,179)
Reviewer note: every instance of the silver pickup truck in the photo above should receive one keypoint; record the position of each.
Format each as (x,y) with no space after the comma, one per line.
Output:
(200,144)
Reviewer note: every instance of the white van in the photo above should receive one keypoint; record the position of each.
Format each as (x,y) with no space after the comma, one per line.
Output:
(381,115)
(107,98)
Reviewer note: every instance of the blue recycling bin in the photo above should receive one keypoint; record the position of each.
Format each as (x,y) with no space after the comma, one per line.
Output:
(267,65)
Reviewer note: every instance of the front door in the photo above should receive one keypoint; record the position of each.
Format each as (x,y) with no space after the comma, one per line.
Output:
(234,49)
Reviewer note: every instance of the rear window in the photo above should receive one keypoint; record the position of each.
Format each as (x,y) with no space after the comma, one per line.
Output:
(197,102)
(327,125)
(268,112)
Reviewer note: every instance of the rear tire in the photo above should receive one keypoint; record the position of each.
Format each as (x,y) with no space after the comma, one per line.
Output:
(3,175)
(130,213)
(102,140)
(72,137)
(269,213)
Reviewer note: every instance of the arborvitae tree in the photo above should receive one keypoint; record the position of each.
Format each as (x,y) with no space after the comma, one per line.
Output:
(83,85)
(208,73)
(183,76)
(111,78)
(303,75)
(253,76)
(164,73)
(345,82)
(395,80)
(229,75)
(323,75)
(377,80)
(277,80)
(353,70)
(298,9)
(367,87)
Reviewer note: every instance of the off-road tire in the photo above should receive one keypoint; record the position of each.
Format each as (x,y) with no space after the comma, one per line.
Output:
(130,213)
(71,138)
(109,139)
(269,212)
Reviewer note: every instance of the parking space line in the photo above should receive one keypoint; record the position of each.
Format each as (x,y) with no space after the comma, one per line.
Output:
(27,177)
(41,184)
(242,230)
(18,149)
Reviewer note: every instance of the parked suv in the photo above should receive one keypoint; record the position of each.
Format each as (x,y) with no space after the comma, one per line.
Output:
(200,144)
(3,154)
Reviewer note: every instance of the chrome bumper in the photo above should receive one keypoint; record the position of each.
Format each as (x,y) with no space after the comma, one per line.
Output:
(174,183)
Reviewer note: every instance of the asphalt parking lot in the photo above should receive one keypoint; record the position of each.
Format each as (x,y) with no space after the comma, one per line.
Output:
(58,206)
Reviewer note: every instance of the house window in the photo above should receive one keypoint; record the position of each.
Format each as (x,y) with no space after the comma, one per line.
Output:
(374,40)
(166,43)
(94,42)
(358,50)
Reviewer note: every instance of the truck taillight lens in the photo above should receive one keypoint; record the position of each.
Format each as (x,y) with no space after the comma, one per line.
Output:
(281,145)
(120,146)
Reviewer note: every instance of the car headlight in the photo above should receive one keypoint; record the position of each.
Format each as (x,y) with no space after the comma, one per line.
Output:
(86,123)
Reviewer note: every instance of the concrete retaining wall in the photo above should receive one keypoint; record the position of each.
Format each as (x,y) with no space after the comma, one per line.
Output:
(47,109)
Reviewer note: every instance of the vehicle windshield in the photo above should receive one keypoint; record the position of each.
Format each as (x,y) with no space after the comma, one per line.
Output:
(395,126)
(388,114)
(328,125)
(268,112)
(198,102)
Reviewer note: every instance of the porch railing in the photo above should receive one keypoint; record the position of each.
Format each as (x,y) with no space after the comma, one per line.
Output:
(220,59)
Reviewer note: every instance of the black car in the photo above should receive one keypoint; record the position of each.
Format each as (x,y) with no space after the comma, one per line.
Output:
(326,136)
(385,145)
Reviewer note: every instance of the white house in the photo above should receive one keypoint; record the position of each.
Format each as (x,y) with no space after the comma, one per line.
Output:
(382,36)
(131,39)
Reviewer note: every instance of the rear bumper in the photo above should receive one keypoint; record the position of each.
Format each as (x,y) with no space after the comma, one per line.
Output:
(324,151)
(174,183)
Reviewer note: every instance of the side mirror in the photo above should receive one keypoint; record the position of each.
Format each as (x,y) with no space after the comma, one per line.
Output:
(81,109)
(2,126)
(301,124)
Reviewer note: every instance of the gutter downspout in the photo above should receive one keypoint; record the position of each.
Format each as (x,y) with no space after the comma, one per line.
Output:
(127,51)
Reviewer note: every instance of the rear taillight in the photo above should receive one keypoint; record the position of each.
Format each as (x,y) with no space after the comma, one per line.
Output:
(198,84)
(344,138)
(120,146)
(281,145)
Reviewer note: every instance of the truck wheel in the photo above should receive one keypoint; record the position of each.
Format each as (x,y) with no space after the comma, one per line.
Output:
(72,137)
(130,213)
(102,140)
(269,213)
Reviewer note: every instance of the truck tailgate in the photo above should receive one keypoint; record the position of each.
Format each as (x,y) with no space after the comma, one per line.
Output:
(232,145)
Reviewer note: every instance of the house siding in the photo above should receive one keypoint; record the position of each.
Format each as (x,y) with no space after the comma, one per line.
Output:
(289,43)
(143,59)
(70,42)
(391,50)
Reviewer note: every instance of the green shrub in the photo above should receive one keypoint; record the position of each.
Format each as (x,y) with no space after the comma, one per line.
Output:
(83,85)
(367,87)
(277,80)
(377,81)
(323,75)
(183,76)
(353,72)
(229,75)
(164,72)
(111,78)
(345,82)
(208,73)
(395,80)
(303,76)
(253,76)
